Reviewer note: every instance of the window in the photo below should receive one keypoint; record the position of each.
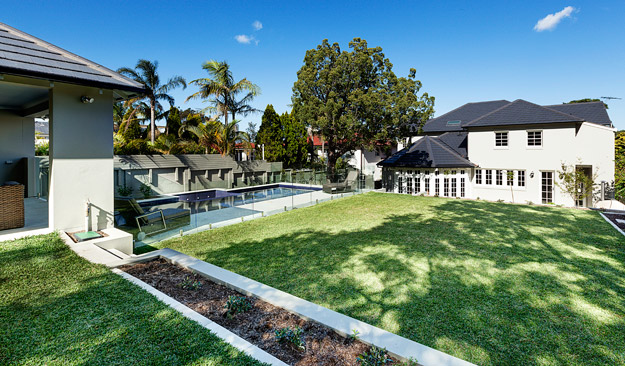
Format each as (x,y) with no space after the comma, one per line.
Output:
(547,187)
(417,172)
(501,139)
(427,186)
(437,189)
(510,176)
(400,188)
(453,123)
(417,184)
(436,172)
(446,187)
(499,177)
(453,172)
(410,172)
(461,187)
(489,176)
(453,187)
(478,176)
(409,185)
(462,171)
(534,138)
(521,178)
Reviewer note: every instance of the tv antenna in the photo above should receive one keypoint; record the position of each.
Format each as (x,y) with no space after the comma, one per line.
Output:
(608,98)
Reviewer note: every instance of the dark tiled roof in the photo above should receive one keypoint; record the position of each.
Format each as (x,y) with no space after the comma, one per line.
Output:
(457,141)
(594,112)
(24,55)
(427,152)
(464,114)
(521,112)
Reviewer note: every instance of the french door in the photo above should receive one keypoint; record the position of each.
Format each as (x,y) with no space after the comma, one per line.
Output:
(547,187)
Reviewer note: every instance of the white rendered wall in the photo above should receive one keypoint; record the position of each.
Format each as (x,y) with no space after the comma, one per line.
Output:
(368,161)
(17,141)
(81,157)
(592,145)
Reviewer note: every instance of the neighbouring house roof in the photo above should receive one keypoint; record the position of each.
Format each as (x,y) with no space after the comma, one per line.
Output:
(463,114)
(316,140)
(521,112)
(590,111)
(427,152)
(24,55)
(193,162)
(242,146)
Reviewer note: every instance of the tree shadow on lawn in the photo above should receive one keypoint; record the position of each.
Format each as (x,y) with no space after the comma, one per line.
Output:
(73,312)
(495,284)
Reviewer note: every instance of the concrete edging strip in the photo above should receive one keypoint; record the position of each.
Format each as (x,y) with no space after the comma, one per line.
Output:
(397,346)
(611,223)
(221,332)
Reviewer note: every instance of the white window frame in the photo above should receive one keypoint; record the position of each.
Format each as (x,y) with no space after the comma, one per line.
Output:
(542,140)
(502,147)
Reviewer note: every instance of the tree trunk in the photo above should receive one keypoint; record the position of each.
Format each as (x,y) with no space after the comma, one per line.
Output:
(152,118)
(332,158)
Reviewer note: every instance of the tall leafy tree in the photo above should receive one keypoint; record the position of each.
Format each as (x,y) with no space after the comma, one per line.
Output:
(295,141)
(221,90)
(619,165)
(354,99)
(271,135)
(145,72)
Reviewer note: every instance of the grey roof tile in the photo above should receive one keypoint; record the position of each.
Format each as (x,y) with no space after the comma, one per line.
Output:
(457,141)
(24,55)
(427,152)
(464,114)
(521,112)
(594,112)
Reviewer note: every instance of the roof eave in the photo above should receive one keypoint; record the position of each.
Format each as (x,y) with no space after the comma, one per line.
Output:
(70,80)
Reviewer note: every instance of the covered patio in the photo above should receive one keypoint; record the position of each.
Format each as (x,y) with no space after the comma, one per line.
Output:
(76,96)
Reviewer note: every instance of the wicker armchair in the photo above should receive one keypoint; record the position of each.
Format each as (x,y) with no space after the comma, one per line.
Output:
(11,206)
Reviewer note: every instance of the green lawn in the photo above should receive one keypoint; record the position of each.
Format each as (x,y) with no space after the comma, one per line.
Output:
(492,283)
(58,309)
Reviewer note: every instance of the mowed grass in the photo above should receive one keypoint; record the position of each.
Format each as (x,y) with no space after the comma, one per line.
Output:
(491,283)
(58,309)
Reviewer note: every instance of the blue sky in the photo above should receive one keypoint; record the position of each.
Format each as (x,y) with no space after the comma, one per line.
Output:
(463,51)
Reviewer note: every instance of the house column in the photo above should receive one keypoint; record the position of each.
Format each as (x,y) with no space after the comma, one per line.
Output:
(81,157)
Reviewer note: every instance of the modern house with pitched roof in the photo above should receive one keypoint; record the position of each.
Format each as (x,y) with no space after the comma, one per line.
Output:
(39,79)
(501,150)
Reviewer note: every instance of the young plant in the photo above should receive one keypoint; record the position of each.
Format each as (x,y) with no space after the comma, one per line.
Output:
(190,284)
(237,304)
(354,336)
(374,357)
(410,362)
(292,337)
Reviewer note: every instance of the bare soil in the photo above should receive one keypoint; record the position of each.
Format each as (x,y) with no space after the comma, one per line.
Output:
(323,345)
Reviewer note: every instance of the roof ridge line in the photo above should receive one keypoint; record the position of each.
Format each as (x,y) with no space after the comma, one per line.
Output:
(449,149)
(488,114)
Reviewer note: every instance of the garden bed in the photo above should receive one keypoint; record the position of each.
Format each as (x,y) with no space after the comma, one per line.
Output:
(613,217)
(258,324)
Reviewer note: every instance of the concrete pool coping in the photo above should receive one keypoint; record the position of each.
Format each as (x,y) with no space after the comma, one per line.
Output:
(397,346)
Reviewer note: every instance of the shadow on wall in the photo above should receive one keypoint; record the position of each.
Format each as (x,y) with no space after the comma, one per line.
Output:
(491,283)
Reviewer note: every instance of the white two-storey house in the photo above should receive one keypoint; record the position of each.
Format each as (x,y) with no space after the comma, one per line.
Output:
(511,151)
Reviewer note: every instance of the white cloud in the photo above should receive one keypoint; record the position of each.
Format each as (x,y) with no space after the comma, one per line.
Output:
(552,20)
(243,38)
(257,25)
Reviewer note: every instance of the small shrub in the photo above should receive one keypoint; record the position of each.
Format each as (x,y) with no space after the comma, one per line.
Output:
(42,149)
(410,362)
(375,357)
(124,190)
(146,190)
(237,304)
(190,284)
(499,201)
(530,203)
(292,337)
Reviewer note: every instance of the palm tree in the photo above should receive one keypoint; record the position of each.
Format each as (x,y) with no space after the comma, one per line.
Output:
(220,86)
(213,135)
(146,74)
